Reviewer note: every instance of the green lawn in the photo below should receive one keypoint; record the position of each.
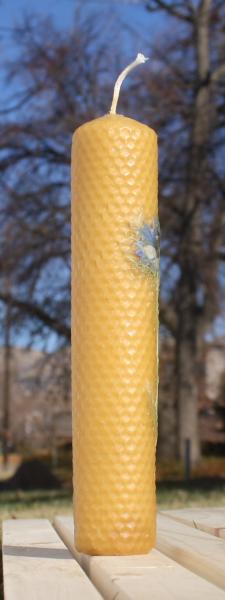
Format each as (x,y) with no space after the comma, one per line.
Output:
(46,504)
(34,504)
(206,488)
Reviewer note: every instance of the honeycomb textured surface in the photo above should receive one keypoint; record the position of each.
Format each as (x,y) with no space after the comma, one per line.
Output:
(114,338)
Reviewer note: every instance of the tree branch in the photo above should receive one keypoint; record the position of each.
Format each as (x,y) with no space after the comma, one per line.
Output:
(33,310)
(171,9)
(218,74)
(221,256)
(168,317)
(205,6)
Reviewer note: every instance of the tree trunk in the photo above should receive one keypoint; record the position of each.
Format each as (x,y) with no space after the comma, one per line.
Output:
(166,446)
(187,377)
(6,387)
(190,306)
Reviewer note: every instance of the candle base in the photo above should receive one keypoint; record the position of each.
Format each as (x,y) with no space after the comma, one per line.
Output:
(121,546)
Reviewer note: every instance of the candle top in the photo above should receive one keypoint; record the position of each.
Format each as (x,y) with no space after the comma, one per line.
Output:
(113,119)
(111,122)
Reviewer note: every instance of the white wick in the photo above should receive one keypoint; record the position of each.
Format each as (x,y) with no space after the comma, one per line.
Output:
(140,59)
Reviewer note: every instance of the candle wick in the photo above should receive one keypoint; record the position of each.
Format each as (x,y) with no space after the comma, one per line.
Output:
(140,59)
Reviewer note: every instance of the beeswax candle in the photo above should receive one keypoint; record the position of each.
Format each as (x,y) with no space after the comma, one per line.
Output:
(114,334)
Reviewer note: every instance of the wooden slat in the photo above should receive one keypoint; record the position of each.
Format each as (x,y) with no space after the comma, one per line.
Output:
(153,575)
(211,520)
(198,551)
(37,565)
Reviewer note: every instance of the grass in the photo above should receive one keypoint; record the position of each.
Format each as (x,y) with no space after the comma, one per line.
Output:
(196,496)
(47,504)
(206,488)
(35,504)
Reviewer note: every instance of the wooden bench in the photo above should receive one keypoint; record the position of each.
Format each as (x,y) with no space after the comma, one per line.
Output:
(41,563)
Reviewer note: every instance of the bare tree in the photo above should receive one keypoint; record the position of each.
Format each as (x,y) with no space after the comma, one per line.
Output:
(6,386)
(188,95)
(59,78)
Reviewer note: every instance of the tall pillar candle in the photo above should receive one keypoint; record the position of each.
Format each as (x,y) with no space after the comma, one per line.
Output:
(114,334)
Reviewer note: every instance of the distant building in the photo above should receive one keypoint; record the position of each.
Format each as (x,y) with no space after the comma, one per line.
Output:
(212,409)
(211,397)
(39,390)
(215,367)
(40,407)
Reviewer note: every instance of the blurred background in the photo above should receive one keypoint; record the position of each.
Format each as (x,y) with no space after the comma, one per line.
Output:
(59,62)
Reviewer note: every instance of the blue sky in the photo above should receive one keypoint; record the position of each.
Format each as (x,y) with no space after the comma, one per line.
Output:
(63,10)
(12,10)
(132,15)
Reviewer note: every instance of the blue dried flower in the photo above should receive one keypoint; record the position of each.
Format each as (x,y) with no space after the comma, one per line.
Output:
(147,246)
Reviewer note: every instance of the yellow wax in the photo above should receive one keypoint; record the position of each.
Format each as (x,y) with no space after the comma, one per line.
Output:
(114,337)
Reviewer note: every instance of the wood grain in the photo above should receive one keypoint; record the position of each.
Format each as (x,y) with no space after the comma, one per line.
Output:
(210,520)
(38,566)
(196,550)
(151,576)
